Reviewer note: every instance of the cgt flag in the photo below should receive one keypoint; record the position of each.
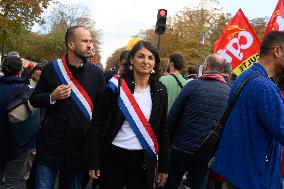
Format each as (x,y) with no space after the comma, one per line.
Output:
(276,22)
(238,44)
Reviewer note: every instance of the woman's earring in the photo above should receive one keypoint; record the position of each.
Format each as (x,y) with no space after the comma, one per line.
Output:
(130,67)
(153,71)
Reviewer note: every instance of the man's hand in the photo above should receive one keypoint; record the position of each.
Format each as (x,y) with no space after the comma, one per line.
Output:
(95,174)
(61,92)
(161,179)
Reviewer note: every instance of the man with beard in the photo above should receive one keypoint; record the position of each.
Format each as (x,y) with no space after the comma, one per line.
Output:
(249,152)
(69,88)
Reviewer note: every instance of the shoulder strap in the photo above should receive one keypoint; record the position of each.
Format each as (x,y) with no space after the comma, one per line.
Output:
(234,99)
(178,82)
(135,117)
(79,95)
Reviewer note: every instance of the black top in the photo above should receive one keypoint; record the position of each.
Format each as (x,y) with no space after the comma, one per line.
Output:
(62,138)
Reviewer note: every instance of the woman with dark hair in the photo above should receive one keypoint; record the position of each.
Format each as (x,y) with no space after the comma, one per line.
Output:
(12,155)
(128,145)
(35,74)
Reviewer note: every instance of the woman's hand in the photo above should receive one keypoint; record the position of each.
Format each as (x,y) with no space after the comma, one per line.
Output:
(95,174)
(161,179)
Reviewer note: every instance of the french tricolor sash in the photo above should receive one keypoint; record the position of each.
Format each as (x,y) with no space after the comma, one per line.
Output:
(78,93)
(135,117)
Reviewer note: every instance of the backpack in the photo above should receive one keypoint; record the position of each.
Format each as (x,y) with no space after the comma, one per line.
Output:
(24,120)
(19,108)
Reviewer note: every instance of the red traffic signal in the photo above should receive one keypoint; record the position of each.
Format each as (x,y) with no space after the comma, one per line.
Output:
(162,12)
(161,21)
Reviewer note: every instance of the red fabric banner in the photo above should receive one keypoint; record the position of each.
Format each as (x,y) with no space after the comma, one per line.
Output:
(239,44)
(276,22)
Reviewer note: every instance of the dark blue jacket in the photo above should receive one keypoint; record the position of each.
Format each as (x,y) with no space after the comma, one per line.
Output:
(8,86)
(200,103)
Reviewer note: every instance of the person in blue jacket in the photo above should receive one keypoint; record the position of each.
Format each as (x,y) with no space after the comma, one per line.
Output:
(249,152)
(12,154)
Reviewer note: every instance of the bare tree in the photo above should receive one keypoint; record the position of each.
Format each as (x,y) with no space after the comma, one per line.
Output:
(65,16)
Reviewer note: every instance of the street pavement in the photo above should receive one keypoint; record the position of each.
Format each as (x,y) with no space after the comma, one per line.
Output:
(90,187)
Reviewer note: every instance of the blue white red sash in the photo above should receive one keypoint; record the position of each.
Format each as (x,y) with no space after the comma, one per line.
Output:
(78,93)
(135,117)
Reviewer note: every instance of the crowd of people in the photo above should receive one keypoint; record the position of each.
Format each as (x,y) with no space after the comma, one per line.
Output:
(133,128)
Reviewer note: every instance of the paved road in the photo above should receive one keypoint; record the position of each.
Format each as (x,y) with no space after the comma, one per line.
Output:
(90,187)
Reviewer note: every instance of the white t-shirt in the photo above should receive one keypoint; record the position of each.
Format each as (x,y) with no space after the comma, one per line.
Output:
(126,138)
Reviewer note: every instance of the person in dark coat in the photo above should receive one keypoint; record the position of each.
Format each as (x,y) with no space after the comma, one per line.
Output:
(122,160)
(69,89)
(200,104)
(118,67)
(12,155)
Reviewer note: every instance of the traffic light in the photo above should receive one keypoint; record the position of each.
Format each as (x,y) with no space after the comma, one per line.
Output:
(161,21)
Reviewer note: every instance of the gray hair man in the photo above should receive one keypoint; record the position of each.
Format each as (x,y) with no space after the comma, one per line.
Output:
(200,104)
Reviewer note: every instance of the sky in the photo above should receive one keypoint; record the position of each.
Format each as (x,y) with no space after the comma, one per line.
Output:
(120,20)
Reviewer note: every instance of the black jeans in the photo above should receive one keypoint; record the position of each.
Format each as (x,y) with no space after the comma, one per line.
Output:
(14,171)
(2,165)
(180,162)
(123,168)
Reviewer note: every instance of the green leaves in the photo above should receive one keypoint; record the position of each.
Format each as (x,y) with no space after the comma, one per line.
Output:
(185,28)
(21,12)
(17,18)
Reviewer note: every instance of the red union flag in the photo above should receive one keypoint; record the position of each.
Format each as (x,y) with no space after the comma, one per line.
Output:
(238,44)
(276,22)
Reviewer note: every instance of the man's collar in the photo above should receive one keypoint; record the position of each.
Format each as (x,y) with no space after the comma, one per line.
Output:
(81,65)
(260,68)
